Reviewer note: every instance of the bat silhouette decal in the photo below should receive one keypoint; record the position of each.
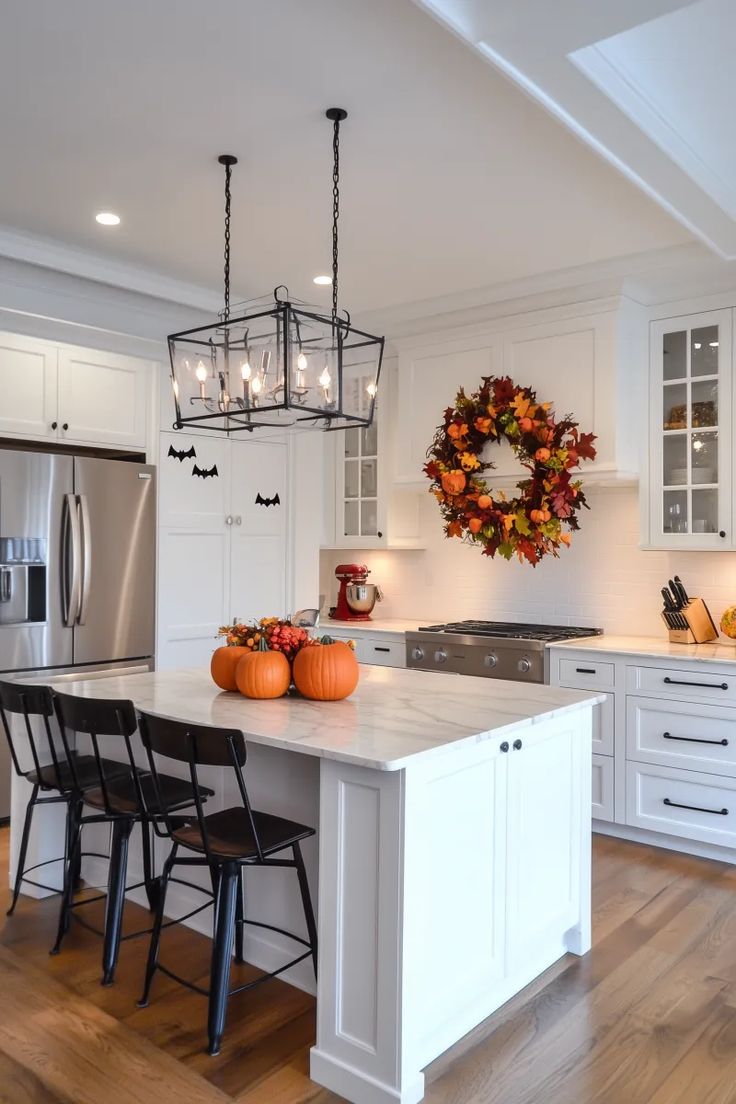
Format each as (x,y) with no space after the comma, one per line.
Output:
(261,501)
(182,454)
(205,473)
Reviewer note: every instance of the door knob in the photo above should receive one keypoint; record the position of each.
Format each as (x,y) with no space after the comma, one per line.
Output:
(229,519)
(54,425)
(65,426)
(238,520)
(517,745)
(505,746)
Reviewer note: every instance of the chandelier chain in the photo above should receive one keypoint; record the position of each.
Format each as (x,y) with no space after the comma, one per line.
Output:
(335,212)
(228,174)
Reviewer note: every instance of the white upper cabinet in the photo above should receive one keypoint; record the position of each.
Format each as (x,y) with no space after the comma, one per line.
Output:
(103,398)
(590,365)
(28,385)
(73,394)
(690,485)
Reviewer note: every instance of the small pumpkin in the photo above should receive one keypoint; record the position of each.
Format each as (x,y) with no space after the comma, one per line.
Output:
(453,482)
(263,673)
(223,664)
(328,672)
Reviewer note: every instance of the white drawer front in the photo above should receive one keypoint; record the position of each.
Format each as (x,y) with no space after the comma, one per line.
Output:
(387,653)
(585,674)
(695,683)
(694,737)
(681,803)
(602,787)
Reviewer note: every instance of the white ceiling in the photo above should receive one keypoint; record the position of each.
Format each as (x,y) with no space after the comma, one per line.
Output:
(649,84)
(452,178)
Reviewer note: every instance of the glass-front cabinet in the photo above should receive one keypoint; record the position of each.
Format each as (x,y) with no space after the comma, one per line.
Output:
(690,493)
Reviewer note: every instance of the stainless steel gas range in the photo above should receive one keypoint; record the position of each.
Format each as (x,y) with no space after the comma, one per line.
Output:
(492,649)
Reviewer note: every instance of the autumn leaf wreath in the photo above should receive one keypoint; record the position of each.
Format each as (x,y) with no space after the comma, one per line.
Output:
(538,520)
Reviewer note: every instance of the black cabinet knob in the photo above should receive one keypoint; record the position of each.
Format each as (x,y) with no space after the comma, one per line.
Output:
(54,425)
(505,746)
(65,426)
(517,745)
(380,534)
(722,533)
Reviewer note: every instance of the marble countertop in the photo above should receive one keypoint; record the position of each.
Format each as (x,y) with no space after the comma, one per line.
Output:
(386,626)
(394,716)
(654,647)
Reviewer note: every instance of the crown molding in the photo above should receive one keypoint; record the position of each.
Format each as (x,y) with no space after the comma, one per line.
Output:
(48,253)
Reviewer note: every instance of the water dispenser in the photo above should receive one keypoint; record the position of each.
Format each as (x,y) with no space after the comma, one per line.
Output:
(22,580)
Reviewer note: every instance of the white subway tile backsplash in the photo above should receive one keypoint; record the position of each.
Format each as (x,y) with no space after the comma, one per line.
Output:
(604,579)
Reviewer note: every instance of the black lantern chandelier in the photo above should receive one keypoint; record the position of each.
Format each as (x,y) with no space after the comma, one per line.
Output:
(277,362)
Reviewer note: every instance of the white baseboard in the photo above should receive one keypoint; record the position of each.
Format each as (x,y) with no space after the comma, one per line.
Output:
(359,1087)
(669,843)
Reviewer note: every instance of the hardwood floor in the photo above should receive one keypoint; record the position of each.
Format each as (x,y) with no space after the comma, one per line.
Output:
(649,1017)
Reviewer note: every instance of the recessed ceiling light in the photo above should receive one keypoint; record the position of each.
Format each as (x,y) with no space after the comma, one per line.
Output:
(107,218)
(322,279)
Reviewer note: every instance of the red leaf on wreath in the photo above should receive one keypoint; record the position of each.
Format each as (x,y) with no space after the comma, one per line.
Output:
(503,390)
(585,445)
(561,506)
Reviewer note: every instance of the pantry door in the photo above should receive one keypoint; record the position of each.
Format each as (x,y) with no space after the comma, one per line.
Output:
(259,556)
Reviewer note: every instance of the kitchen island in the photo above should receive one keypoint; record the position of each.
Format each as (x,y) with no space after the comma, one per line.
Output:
(453,818)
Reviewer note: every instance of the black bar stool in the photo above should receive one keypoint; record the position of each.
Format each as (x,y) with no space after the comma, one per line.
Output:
(226,842)
(123,802)
(57,771)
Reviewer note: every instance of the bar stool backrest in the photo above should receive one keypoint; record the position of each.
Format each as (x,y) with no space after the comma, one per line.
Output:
(197,746)
(102,717)
(26,701)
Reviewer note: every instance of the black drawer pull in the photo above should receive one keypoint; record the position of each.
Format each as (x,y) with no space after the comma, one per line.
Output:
(377,648)
(707,685)
(694,740)
(517,745)
(585,670)
(695,808)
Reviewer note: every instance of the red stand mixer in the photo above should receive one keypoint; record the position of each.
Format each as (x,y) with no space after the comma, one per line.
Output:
(357,596)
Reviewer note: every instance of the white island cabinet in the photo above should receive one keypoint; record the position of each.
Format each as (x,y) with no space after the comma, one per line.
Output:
(453,829)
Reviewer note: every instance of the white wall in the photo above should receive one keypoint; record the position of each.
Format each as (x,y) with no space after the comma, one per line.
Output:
(604,579)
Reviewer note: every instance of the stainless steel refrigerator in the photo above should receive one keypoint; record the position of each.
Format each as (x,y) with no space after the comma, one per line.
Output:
(77,568)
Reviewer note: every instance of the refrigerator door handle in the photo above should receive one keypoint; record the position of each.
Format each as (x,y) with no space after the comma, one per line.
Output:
(86,572)
(70,576)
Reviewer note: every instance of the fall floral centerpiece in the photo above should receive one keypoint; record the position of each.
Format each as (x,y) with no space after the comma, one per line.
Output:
(538,520)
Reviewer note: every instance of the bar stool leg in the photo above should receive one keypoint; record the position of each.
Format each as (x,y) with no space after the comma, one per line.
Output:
(153,946)
(152,884)
(221,955)
(20,869)
(115,897)
(239,918)
(67,894)
(306,902)
(74,815)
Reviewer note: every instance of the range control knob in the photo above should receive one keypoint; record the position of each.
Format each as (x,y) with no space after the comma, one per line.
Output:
(524,665)
(417,653)
(491,660)
(440,655)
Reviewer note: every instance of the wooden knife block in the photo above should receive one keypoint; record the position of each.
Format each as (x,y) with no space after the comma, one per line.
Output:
(701,627)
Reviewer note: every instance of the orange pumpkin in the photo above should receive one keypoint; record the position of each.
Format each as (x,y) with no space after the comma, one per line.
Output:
(453,482)
(223,664)
(328,672)
(263,673)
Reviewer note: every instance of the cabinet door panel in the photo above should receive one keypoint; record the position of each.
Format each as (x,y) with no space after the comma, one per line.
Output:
(191,597)
(192,499)
(428,382)
(103,398)
(257,577)
(544,827)
(28,384)
(259,506)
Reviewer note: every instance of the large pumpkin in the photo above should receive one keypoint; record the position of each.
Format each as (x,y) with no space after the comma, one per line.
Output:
(327,671)
(263,673)
(223,664)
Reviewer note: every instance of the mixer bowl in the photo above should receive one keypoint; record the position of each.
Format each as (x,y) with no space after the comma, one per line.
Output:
(361,597)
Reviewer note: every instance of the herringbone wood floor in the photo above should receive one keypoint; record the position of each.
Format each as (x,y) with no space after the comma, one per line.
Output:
(649,1017)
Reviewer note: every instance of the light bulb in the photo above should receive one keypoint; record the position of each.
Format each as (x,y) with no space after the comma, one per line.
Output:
(697,445)
(713,344)
(372,388)
(697,345)
(201,372)
(325,379)
(256,385)
(245,370)
(301,362)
